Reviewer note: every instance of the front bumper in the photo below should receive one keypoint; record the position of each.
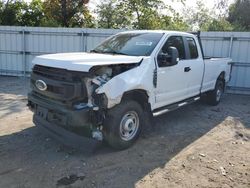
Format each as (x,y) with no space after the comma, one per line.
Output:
(50,115)
(64,136)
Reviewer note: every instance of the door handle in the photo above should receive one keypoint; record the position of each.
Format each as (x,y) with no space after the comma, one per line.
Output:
(187,69)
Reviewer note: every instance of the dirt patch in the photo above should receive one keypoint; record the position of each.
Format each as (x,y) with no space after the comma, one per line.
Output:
(196,146)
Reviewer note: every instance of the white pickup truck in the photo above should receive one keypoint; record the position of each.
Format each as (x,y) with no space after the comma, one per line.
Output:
(110,92)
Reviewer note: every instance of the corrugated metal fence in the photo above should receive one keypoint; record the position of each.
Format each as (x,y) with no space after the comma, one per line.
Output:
(19,45)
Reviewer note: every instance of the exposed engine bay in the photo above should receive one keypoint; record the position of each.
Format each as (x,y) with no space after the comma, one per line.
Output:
(100,76)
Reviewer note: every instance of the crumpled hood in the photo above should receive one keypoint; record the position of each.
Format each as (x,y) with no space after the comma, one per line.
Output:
(83,61)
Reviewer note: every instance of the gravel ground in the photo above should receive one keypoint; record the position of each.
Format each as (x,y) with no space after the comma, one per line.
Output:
(196,146)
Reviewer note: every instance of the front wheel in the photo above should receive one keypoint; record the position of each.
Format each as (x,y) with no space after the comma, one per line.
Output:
(122,124)
(214,97)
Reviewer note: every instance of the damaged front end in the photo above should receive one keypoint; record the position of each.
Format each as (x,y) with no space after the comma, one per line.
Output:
(70,99)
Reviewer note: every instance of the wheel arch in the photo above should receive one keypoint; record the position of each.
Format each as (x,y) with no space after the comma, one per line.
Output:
(138,95)
(222,78)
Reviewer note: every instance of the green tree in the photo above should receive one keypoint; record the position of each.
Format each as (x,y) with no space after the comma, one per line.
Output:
(198,17)
(138,14)
(11,12)
(239,14)
(1,11)
(32,14)
(174,22)
(68,13)
(112,14)
(219,24)
(145,12)
(202,18)
(82,18)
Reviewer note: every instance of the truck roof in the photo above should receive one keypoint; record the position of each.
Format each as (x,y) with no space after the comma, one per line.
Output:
(193,34)
(159,31)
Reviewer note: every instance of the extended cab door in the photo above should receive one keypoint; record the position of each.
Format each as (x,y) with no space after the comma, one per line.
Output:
(172,80)
(195,62)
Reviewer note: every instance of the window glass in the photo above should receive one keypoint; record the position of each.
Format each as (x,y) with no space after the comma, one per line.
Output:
(177,42)
(133,44)
(192,48)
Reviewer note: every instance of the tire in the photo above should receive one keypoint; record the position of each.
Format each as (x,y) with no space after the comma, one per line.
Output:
(214,96)
(122,125)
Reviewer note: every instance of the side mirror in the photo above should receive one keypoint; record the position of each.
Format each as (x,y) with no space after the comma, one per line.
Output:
(174,54)
(168,59)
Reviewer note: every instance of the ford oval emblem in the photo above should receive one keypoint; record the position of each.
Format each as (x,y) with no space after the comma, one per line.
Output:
(41,85)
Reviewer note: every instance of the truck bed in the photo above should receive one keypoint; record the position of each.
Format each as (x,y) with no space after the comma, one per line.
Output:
(215,65)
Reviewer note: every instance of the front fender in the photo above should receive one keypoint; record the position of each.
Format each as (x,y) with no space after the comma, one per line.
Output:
(140,77)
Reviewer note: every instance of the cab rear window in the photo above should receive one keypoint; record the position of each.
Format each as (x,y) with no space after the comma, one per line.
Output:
(192,48)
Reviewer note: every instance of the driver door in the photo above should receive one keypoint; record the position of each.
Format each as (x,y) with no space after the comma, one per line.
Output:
(172,84)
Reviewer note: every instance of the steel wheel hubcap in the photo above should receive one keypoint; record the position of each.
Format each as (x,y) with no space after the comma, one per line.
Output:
(129,125)
(218,94)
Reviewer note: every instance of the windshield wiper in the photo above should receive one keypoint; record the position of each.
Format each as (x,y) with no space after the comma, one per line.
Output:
(95,51)
(108,52)
(115,52)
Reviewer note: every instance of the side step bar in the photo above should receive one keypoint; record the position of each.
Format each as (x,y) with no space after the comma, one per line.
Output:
(174,106)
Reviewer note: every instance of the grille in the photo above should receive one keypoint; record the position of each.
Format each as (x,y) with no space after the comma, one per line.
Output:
(62,84)
(57,74)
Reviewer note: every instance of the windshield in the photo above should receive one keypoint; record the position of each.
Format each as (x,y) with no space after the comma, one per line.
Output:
(133,44)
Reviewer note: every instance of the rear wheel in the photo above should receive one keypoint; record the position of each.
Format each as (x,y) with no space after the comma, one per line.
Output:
(122,125)
(214,97)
